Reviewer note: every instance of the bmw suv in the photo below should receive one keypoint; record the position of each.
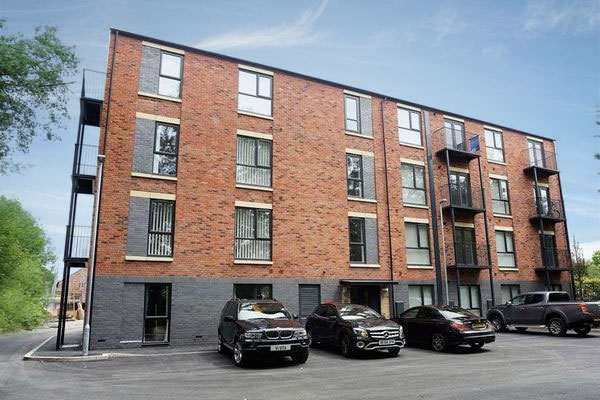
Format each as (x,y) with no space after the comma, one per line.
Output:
(251,328)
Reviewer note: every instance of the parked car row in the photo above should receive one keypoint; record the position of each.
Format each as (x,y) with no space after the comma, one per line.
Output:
(253,328)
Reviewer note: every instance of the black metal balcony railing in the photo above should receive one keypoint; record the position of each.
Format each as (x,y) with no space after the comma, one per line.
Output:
(461,254)
(78,245)
(458,196)
(86,158)
(539,158)
(93,84)
(548,209)
(457,142)
(551,258)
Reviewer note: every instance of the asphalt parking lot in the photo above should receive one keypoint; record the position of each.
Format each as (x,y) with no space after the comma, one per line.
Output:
(527,365)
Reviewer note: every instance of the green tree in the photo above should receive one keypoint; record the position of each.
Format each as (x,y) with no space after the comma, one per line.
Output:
(594,268)
(33,90)
(580,267)
(25,279)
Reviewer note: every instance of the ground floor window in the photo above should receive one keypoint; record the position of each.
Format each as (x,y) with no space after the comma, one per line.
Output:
(420,295)
(157,310)
(470,298)
(556,287)
(509,292)
(253,291)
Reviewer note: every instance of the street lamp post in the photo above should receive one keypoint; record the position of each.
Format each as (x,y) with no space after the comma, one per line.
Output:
(444,269)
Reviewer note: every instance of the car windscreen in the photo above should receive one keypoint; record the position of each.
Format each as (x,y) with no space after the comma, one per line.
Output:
(457,313)
(357,312)
(560,297)
(263,311)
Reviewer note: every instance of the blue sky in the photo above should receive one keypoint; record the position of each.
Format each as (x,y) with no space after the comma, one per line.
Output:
(530,65)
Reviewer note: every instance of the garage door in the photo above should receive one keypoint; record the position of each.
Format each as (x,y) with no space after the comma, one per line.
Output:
(310,297)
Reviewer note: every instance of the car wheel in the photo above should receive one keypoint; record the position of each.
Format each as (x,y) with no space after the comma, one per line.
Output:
(438,342)
(394,351)
(220,346)
(582,331)
(476,345)
(239,358)
(498,324)
(311,341)
(300,358)
(346,346)
(557,327)
(521,328)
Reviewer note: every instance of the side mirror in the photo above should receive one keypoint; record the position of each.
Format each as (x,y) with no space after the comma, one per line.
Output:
(295,316)
(228,318)
(332,318)
(509,303)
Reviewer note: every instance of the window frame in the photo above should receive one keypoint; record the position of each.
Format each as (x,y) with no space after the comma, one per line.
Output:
(160,74)
(505,202)
(494,145)
(270,168)
(418,225)
(462,301)
(414,183)
(162,153)
(361,179)
(410,128)
(255,290)
(514,252)
(258,76)
(358,121)
(362,244)
(167,317)
(421,290)
(511,288)
(469,194)
(255,229)
(151,232)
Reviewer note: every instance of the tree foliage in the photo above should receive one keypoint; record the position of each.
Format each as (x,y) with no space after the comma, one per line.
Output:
(25,279)
(580,266)
(33,90)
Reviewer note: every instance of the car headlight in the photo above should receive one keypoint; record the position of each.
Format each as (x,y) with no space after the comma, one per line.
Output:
(362,333)
(253,335)
(401,330)
(300,334)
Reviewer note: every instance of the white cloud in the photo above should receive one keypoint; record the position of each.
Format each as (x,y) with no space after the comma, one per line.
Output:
(568,18)
(297,33)
(589,248)
(446,22)
(494,51)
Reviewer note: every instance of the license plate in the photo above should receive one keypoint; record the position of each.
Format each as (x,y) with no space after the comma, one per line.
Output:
(281,347)
(386,342)
(478,325)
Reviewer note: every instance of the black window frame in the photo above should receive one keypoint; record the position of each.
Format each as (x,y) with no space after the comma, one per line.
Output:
(410,128)
(151,232)
(414,183)
(256,165)
(421,287)
(459,238)
(255,229)
(164,153)
(161,75)
(358,121)
(257,95)
(494,145)
(418,225)
(505,202)
(471,308)
(455,145)
(514,252)
(540,163)
(362,244)
(256,289)
(511,288)
(167,317)
(460,203)
(360,180)
(548,251)
(553,286)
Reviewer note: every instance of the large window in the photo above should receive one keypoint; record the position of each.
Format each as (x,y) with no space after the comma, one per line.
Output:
(255,92)
(165,149)
(354,170)
(420,295)
(160,231)
(417,244)
(455,135)
(509,292)
(505,249)
(253,291)
(157,310)
(464,246)
(500,200)
(252,234)
(494,145)
(409,126)
(253,161)
(542,200)
(536,153)
(413,184)
(352,110)
(356,228)
(169,80)
(550,256)
(460,189)
(470,298)
(555,287)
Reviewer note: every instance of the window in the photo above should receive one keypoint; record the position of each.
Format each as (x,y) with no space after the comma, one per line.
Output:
(460,189)
(255,92)
(354,169)
(417,244)
(165,149)
(542,201)
(464,245)
(352,109)
(509,292)
(550,256)
(505,249)
(157,309)
(356,227)
(160,230)
(500,200)
(534,298)
(253,161)
(455,135)
(413,184)
(536,153)
(556,287)
(169,78)
(252,234)
(254,292)
(494,145)
(412,313)
(470,298)
(420,295)
(558,297)
(409,126)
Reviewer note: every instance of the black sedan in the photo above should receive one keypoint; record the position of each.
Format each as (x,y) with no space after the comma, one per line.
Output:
(354,328)
(445,326)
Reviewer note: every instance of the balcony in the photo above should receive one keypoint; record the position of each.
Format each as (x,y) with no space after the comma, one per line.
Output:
(460,146)
(78,245)
(547,210)
(551,259)
(84,168)
(467,256)
(539,162)
(464,200)
(92,95)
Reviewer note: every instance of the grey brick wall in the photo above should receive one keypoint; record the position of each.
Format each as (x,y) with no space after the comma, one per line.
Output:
(149,69)
(143,148)
(137,228)
(371,241)
(132,312)
(366,117)
(369,177)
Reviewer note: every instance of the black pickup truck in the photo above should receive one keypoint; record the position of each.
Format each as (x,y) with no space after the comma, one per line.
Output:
(554,310)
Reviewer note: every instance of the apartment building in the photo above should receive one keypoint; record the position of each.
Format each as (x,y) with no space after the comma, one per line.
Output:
(222,177)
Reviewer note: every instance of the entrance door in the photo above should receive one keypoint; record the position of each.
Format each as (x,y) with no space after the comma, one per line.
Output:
(369,296)
(455,135)
(550,258)
(464,244)
(543,200)
(309,297)
(536,153)
(460,189)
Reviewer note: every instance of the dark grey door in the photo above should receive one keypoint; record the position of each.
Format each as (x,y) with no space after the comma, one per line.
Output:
(309,298)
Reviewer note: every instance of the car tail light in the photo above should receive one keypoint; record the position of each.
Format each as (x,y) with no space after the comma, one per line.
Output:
(459,327)
(584,307)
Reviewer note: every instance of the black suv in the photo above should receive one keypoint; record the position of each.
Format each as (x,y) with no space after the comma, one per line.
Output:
(260,327)
(354,328)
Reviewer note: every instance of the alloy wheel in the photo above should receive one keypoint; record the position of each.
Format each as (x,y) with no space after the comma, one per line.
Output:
(497,324)
(555,327)
(237,353)
(438,342)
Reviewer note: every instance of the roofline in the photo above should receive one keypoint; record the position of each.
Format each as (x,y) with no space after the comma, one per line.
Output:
(318,80)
